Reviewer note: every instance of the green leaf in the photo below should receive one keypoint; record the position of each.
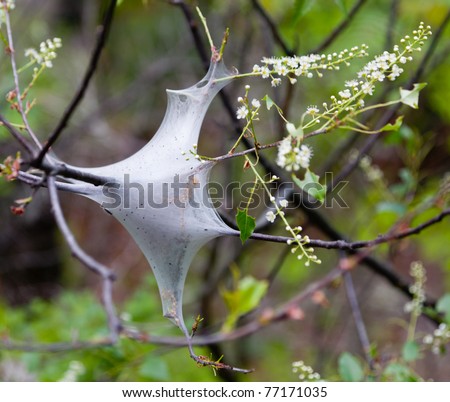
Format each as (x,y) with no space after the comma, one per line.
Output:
(269,102)
(245,223)
(391,206)
(244,298)
(154,368)
(311,185)
(393,127)
(296,132)
(411,97)
(350,368)
(443,306)
(398,372)
(410,351)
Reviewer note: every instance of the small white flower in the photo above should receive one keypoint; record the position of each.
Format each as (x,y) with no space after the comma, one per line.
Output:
(242,112)
(345,94)
(256,103)
(276,82)
(312,110)
(367,88)
(256,68)
(283,203)
(265,72)
(351,84)
(378,75)
(396,71)
(270,216)
(304,156)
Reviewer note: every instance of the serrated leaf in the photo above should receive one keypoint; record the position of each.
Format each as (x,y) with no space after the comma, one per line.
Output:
(350,368)
(269,102)
(311,185)
(393,127)
(244,298)
(410,351)
(245,223)
(411,97)
(443,306)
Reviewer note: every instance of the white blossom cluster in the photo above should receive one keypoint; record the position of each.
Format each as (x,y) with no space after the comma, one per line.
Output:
(417,271)
(292,156)
(247,110)
(304,66)
(438,339)
(46,53)
(305,373)
(385,66)
(301,242)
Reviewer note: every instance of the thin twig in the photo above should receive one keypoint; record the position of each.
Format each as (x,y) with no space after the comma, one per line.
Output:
(261,321)
(18,136)
(390,113)
(273,28)
(91,68)
(226,101)
(393,16)
(195,32)
(350,246)
(340,28)
(96,267)
(16,77)
(357,317)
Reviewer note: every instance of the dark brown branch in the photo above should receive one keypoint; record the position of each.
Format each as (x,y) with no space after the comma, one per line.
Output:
(195,32)
(273,28)
(351,246)
(77,252)
(393,16)
(91,68)
(25,144)
(340,28)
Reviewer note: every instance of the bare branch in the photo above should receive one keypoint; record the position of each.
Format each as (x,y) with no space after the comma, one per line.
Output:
(357,316)
(193,27)
(100,269)
(350,246)
(393,16)
(91,68)
(16,77)
(273,28)
(18,136)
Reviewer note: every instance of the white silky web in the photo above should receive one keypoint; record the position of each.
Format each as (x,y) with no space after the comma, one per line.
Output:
(161,198)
